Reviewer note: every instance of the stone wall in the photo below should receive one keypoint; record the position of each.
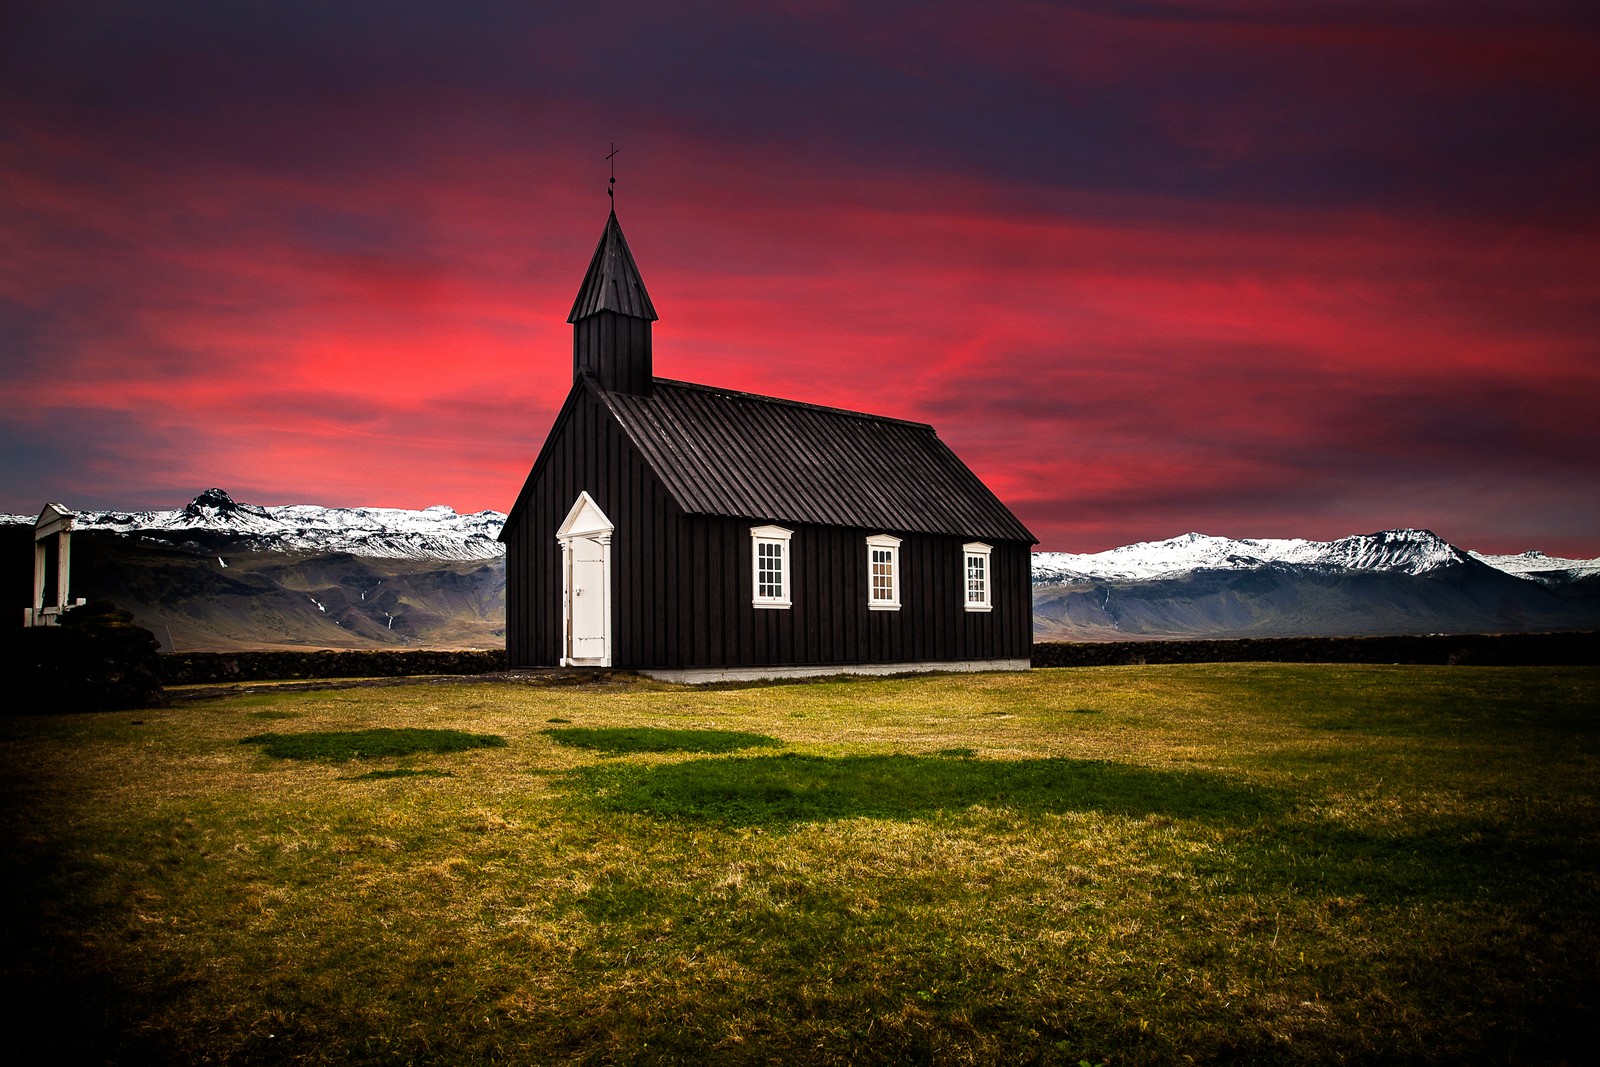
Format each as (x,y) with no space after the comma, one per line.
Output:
(1489,650)
(191,668)
(99,661)
(1486,650)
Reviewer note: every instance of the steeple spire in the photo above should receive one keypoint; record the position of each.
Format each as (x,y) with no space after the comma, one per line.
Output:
(612,282)
(611,318)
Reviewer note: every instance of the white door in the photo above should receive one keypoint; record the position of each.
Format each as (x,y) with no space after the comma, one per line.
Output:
(588,608)
(585,539)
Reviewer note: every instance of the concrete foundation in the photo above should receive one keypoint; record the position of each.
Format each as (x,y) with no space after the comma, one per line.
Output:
(702,675)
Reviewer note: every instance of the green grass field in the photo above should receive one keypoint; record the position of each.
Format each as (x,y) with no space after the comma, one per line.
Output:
(1217,863)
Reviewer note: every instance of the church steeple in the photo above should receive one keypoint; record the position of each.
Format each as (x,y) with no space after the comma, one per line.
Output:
(611,319)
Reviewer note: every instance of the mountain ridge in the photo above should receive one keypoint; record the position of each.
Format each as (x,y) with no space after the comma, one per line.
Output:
(214,520)
(1408,551)
(439,532)
(222,574)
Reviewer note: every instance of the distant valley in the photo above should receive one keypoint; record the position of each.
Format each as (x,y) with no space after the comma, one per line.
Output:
(219,575)
(231,599)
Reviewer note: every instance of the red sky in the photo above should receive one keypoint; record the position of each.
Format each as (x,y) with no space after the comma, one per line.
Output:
(1254,269)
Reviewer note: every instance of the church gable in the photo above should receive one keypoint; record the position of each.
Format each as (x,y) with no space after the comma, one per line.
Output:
(586,450)
(588,475)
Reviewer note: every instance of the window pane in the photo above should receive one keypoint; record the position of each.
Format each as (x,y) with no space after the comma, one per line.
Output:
(976,580)
(769,569)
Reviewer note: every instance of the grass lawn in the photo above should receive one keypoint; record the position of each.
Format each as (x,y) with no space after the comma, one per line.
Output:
(1266,863)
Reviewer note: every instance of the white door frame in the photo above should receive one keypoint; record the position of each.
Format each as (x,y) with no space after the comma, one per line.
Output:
(585,521)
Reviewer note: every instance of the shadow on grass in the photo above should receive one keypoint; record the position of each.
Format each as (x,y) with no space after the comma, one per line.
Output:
(794,788)
(368,744)
(1477,860)
(624,740)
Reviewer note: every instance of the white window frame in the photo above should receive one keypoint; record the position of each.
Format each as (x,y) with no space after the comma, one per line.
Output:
(877,543)
(770,535)
(984,601)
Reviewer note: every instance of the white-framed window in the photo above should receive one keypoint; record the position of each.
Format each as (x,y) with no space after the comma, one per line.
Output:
(883,573)
(976,576)
(769,562)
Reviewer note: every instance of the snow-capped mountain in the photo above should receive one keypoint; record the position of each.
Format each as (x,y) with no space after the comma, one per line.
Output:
(214,521)
(1391,582)
(1397,551)
(1550,570)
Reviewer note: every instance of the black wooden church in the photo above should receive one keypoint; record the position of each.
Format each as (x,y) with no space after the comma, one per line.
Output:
(696,533)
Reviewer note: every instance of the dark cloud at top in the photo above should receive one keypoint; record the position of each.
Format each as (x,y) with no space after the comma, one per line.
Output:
(1484,107)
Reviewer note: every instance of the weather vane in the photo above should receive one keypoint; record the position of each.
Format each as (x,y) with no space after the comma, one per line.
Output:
(611,190)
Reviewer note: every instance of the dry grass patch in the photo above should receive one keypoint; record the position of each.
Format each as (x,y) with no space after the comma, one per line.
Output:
(1271,863)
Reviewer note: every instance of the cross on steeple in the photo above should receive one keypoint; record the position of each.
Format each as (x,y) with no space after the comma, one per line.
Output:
(611,191)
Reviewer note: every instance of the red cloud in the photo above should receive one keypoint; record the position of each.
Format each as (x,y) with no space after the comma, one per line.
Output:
(373,309)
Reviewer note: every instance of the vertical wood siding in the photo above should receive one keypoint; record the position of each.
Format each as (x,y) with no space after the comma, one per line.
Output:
(615,349)
(682,585)
(829,621)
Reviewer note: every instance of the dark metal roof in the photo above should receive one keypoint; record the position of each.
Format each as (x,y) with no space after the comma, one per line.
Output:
(720,452)
(613,282)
